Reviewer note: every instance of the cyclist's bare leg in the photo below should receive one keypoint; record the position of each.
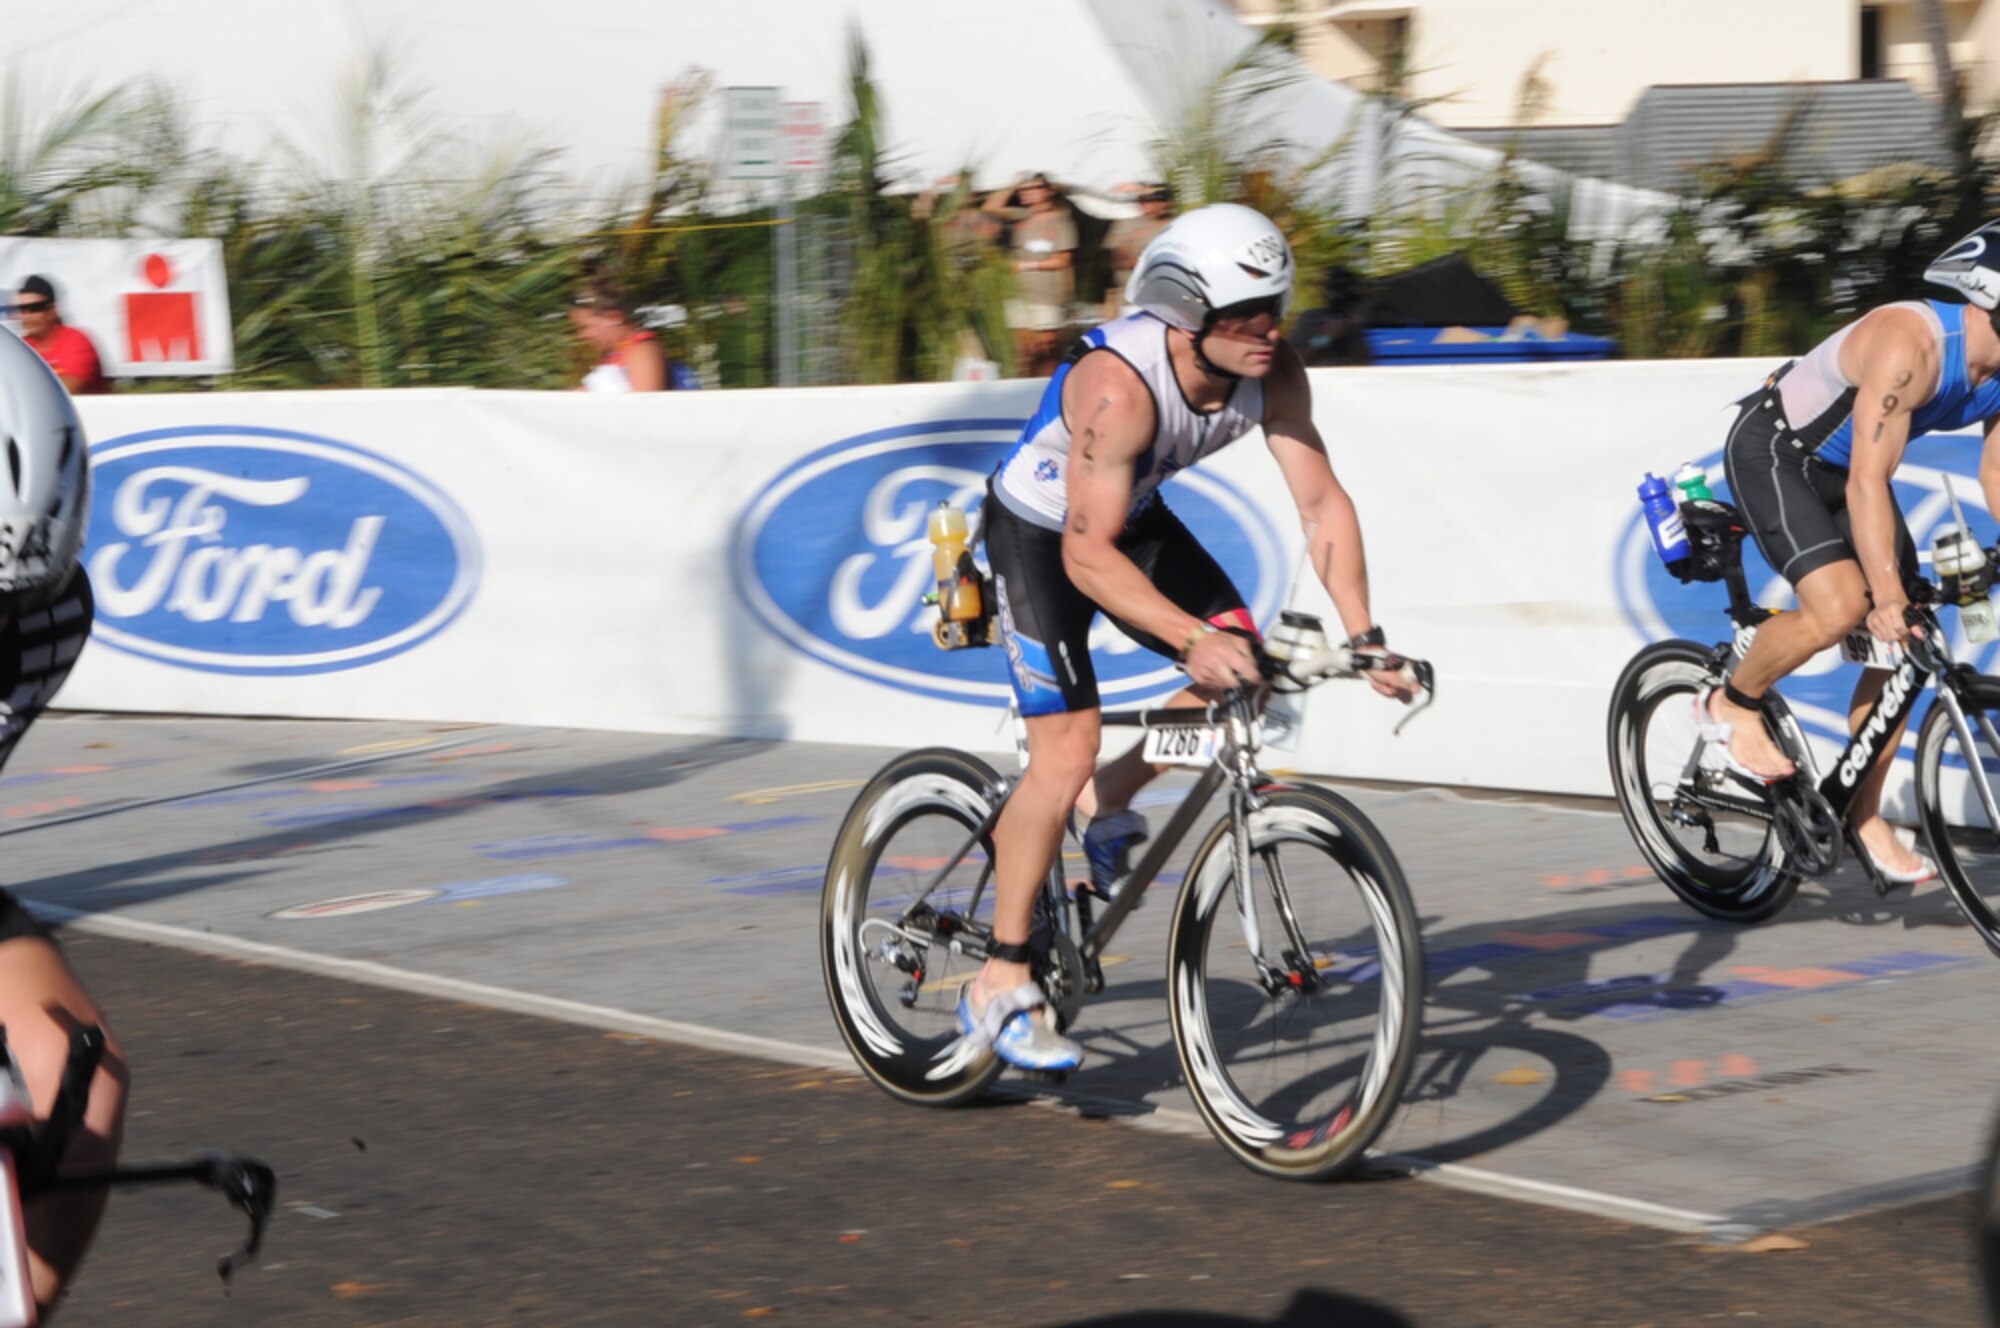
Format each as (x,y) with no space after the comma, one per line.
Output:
(1062,754)
(1118,781)
(1832,600)
(42,1003)
(1865,811)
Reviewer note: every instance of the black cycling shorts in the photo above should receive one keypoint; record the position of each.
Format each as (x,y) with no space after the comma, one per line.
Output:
(16,922)
(1045,620)
(1794,503)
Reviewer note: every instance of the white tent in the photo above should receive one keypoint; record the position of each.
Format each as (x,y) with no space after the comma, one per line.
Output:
(1080,89)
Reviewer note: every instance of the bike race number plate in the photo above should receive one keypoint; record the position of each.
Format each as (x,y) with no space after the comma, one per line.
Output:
(1182,744)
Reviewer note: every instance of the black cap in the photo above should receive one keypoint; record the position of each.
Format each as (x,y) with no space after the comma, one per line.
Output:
(38,286)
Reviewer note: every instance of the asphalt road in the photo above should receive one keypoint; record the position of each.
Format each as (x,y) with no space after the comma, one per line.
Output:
(443,1163)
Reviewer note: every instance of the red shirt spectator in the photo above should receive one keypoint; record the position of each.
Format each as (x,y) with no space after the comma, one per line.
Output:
(68,351)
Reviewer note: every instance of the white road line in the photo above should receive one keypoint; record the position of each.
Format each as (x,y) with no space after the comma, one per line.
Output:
(456,989)
(1169,1120)
(1638,1212)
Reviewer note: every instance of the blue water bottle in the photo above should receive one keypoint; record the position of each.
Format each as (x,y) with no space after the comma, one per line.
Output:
(1663,519)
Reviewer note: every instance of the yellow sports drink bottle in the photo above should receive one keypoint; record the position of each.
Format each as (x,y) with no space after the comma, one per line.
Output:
(951,562)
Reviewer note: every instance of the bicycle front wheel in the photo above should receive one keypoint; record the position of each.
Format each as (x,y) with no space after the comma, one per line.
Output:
(1296,989)
(1727,864)
(1953,783)
(907,874)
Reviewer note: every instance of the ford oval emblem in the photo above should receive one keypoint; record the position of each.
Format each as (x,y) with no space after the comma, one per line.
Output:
(1658,606)
(833,556)
(233,549)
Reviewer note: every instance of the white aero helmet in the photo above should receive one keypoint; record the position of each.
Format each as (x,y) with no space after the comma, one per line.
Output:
(1209,260)
(44,478)
(1972,267)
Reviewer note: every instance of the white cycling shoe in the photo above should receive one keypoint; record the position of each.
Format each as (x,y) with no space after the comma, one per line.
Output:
(1019,1027)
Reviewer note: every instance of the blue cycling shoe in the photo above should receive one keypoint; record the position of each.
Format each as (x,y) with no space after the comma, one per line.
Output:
(1108,842)
(1018,1026)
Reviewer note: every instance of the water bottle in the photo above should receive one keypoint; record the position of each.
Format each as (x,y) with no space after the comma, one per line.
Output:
(1955,553)
(1297,636)
(957,578)
(1691,482)
(1663,519)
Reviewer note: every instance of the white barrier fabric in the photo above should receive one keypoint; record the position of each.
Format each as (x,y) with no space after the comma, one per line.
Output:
(152,308)
(749,562)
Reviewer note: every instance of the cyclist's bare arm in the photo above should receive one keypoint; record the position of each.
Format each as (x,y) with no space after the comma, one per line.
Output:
(42,1003)
(1898,372)
(1111,420)
(1333,529)
(1989,464)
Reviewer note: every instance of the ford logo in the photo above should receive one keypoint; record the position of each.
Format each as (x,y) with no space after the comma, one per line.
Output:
(244,550)
(834,557)
(1659,606)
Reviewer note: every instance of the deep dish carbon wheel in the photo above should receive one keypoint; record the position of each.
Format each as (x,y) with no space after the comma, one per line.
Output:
(1727,864)
(892,975)
(1961,833)
(1299,1065)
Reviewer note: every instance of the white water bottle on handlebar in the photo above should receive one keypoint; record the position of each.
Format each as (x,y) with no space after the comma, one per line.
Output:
(1954,553)
(17,1112)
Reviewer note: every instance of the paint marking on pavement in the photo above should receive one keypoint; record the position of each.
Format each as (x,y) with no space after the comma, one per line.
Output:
(286,776)
(758,797)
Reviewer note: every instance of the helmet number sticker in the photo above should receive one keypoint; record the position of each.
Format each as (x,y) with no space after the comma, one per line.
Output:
(1267,252)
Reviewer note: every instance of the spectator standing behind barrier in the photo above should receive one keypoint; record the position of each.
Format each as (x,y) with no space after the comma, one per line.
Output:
(630,358)
(67,349)
(1337,333)
(1043,247)
(1128,238)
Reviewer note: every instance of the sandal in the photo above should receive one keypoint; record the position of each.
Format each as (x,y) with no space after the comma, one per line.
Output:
(1716,732)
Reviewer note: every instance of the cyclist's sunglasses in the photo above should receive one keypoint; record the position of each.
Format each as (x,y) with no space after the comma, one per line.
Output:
(1245,310)
(34,306)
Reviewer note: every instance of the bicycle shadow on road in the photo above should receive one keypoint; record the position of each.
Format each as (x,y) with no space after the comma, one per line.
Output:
(1311,1308)
(138,879)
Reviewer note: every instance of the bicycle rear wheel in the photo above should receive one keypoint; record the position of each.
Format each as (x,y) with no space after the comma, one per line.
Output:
(1298,1062)
(1962,834)
(1729,865)
(905,877)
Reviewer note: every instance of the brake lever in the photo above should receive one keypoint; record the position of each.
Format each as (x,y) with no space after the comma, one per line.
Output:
(251,1187)
(1417,672)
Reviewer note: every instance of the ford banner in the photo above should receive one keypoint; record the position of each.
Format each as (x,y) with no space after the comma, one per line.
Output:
(247,550)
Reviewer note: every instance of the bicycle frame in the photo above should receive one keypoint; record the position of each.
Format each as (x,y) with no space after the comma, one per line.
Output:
(1924,660)
(1235,713)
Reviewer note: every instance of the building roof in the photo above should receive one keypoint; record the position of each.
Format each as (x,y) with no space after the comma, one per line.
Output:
(1824,131)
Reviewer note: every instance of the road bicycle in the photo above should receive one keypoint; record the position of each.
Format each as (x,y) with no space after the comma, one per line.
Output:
(1295,972)
(31,1154)
(1736,849)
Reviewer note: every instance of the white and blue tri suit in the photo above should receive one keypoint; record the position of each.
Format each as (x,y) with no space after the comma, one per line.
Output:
(1044,619)
(1789,450)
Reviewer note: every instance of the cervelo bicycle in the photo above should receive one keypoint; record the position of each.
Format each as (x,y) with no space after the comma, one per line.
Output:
(30,1157)
(1737,850)
(1295,973)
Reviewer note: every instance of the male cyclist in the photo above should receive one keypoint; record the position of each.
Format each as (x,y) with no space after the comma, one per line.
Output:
(1074,524)
(1810,460)
(45,615)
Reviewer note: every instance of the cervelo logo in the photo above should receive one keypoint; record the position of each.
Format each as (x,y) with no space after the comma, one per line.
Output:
(1659,607)
(234,549)
(834,555)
